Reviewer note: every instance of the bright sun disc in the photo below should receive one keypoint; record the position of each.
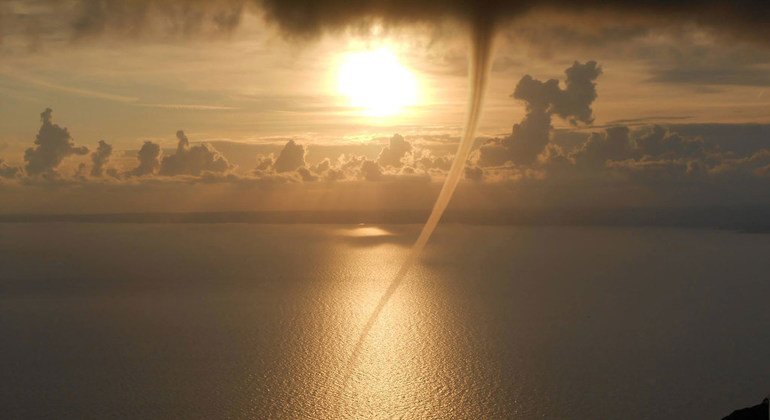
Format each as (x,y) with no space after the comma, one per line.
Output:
(377,83)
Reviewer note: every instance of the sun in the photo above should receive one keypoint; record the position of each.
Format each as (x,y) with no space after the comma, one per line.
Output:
(377,83)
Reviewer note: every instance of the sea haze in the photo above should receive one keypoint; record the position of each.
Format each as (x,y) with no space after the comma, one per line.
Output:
(207,320)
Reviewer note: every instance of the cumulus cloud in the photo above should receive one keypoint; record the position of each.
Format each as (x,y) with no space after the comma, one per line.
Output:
(663,163)
(306,174)
(149,159)
(100,158)
(52,145)
(543,100)
(653,162)
(291,157)
(660,142)
(193,160)
(398,160)
(291,165)
(653,152)
(612,144)
(264,163)
(394,152)
(370,170)
(428,161)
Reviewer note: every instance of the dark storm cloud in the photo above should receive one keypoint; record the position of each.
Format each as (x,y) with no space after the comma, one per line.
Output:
(100,157)
(543,99)
(149,159)
(52,145)
(193,160)
(306,18)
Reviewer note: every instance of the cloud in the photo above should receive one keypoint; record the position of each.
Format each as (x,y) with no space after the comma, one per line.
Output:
(7,171)
(86,93)
(193,160)
(612,144)
(190,107)
(175,17)
(731,74)
(543,99)
(53,144)
(264,163)
(474,173)
(705,60)
(396,149)
(397,161)
(370,170)
(746,18)
(149,159)
(306,174)
(426,160)
(163,19)
(100,157)
(290,165)
(660,142)
(291,157)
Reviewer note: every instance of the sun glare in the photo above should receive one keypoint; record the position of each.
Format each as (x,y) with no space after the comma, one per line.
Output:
(377,83)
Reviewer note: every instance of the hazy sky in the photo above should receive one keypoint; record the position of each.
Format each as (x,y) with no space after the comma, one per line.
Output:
(240,82)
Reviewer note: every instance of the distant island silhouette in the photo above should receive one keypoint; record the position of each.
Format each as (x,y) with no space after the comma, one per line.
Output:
(757,412)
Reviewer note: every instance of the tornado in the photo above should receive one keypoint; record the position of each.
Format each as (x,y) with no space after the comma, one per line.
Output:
(481,57)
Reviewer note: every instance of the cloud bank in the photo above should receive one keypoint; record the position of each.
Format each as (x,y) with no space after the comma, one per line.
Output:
(537,165)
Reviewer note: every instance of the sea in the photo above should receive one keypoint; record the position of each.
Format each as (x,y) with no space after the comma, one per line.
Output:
(241,320)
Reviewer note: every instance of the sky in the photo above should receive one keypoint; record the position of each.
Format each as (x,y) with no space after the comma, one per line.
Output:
(235,105)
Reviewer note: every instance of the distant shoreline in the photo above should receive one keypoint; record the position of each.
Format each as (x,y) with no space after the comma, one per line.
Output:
(744,219)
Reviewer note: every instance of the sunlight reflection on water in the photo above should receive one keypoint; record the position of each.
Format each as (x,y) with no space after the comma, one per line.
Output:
(365,231)
(413,363)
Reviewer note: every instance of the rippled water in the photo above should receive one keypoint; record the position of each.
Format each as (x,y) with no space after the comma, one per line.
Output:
(258,321)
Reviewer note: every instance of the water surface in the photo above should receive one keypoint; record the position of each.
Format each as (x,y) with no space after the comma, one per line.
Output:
(258,321)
